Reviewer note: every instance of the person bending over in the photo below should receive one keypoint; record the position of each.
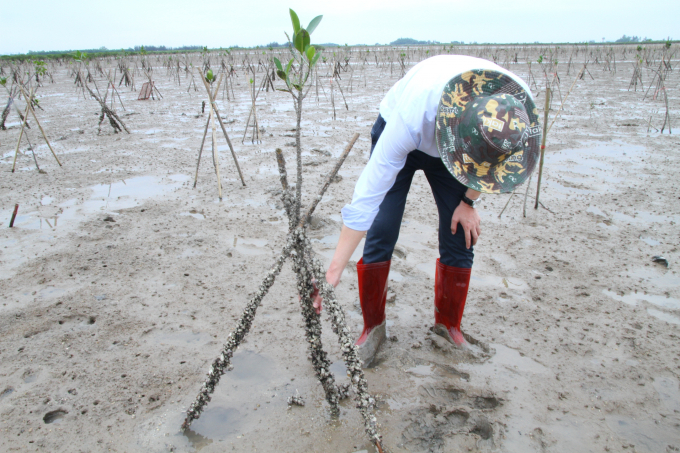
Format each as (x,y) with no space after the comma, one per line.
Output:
(472,127)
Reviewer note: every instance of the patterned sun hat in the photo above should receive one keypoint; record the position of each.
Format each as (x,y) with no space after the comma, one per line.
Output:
(487,131)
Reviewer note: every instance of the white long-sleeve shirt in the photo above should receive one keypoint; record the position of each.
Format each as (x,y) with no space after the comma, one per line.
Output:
(410,111)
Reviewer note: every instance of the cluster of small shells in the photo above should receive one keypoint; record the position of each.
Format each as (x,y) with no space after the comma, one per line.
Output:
(296,400)
(306,268)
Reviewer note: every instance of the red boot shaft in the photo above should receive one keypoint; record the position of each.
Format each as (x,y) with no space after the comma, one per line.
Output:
(372,294)
(450,293)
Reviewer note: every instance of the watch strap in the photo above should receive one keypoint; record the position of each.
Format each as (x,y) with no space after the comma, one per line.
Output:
(469,201)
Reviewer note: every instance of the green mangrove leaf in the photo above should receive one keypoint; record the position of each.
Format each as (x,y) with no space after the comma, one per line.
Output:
(316,57)
(310,52)
(312,25)
(295,20)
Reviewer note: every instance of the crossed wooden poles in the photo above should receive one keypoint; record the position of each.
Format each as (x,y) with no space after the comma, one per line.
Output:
(308,270)
(29,108)
(214,112)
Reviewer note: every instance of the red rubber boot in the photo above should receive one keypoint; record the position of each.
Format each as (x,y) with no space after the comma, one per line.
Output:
(372,295)
(450,292)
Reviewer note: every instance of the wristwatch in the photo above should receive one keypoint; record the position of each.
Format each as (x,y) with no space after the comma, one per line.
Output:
(472,203)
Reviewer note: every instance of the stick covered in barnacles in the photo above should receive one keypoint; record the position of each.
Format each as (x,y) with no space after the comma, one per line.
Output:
(222,363)
(365,402)
(318,356)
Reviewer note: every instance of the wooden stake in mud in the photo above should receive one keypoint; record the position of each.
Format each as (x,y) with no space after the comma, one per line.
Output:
(205,134)
(578,76)
(545,135)
(42,131)
(21,134)
(14,215)
(29,99)
(224,131)
(216,160)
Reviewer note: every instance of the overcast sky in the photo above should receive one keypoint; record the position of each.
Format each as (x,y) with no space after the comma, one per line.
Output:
(73,24)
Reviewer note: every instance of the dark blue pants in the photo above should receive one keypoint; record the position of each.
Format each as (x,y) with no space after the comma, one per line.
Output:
(447,191)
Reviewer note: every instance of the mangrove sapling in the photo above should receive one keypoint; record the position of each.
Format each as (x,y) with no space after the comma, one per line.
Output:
(24,123)
(29,109)
(213,108)
(255,137)
(210,78)
(114,120)
(307,269)
(12,94)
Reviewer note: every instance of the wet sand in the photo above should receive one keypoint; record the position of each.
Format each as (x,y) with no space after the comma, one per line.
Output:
(120,282)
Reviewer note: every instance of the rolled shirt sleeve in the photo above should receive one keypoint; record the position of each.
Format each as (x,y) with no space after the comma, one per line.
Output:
(377,178)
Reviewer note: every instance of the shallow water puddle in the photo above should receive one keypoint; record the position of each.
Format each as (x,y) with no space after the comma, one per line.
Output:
(103,197)
(250,246)
(650,241)
(254,390)
(664,316)
(114,196)
(193,213)
(642,432)
(669,392)
(129,193)
(633,298)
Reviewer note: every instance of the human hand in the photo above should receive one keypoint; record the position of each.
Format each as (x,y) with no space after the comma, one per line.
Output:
(316,298)
(331,277)
(468,218)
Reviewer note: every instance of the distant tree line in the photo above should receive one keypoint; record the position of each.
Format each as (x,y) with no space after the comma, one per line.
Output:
(625,38)
(411,42)
(104,52)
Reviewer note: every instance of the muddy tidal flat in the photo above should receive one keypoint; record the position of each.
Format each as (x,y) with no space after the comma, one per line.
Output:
(120,281)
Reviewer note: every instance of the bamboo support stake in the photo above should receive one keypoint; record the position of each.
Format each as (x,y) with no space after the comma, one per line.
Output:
(224,130)
(42,131)
(216,159)
(329,179)
(16,151)
(200,150)
(526,195)
(565,98)
(545,135)
(14,215)
(205,134)
(506,204)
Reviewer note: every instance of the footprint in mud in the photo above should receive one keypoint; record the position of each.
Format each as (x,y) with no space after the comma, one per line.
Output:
(449,394)
(29,376)
(7,392)
(477,350)
(54,416)
(430,428)
(451,411)
(77,322)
